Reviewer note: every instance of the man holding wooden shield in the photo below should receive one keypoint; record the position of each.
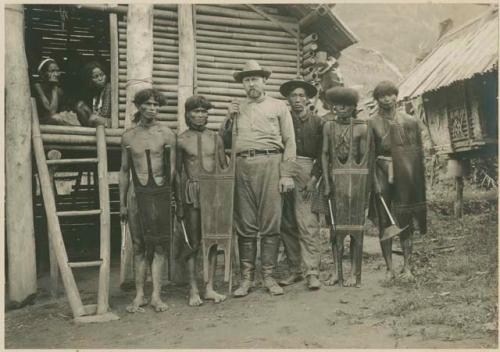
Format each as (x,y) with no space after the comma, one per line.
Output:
(265,143)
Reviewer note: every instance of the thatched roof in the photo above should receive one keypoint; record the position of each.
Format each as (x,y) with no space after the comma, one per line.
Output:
(459,55)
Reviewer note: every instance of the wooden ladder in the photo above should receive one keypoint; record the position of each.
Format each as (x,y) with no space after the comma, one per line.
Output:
(82,313)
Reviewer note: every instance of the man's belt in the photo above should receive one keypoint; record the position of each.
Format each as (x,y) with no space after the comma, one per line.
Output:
(253,152)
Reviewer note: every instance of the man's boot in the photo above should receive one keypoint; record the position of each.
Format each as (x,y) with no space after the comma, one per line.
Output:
(269,246)
(248,251)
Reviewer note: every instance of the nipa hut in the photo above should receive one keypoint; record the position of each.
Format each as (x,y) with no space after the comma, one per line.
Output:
(181,49)
(456,89)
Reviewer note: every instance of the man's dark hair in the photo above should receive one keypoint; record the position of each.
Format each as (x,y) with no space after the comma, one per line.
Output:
(385,88)
(144,95)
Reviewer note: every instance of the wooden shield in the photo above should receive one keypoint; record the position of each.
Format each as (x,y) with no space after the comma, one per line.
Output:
(409,200)
(216,207)
(351,186)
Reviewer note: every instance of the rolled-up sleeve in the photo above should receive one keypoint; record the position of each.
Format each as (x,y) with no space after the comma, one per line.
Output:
(287,134)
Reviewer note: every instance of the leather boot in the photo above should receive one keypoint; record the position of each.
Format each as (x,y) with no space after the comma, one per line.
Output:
(269,246)
(248,251)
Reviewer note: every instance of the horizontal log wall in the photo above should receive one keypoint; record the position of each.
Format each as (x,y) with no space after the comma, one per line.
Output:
(228,36)
(165,62)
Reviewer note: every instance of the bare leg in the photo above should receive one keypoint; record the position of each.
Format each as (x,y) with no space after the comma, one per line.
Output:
(194,299)
(156,273)
(210,293)
(406,244)
(140,277)
(333,279)
(356,253)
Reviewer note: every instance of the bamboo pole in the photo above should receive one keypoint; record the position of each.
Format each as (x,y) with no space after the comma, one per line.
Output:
(236,86)
(77,130)
(257,44)
(209,66)
(233,28)
(310,47)
(243,55)
(270,10)
(310,38)
(264,38)
(246,49)
(239,22)
(55,235)
(221,11)
(139,53)
(240,61)
(186,61)
(22,285)
(70,139)
(225,76)
(159,54)
(105,225)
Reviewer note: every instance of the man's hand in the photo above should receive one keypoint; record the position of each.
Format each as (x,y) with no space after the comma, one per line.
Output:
(96,120)
(123,213)
(327,190)
(234,109)
(286,184)
(179,211)
(307,191)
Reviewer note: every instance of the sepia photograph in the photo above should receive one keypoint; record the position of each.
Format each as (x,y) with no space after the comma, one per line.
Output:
(228,175)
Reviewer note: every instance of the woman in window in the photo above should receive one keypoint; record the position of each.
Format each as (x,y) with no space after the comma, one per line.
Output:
(95,108)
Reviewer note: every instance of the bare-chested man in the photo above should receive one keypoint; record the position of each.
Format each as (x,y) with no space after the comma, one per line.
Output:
(346,160)
(143,154)
(191,143)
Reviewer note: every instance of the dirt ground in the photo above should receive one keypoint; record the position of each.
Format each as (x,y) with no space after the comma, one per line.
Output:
(452,304)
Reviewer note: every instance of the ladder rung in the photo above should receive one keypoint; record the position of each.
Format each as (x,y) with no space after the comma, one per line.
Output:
(72,161)
(84,264)
(79,212)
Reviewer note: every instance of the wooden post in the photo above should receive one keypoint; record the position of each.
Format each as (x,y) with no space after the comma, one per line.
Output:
(54,269)
(458,206)
(139,54)
(113,38)
(105,223)
(22,285)
(186,61)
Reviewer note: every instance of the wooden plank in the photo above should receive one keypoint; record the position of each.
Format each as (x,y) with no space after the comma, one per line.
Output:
(105,223)
(55,235)
(72,161)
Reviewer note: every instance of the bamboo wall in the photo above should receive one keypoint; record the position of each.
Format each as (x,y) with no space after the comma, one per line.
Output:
(70,36)
(226,37)
(165,62)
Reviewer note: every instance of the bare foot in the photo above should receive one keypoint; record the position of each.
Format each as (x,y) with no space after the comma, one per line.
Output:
(214,296)
(135,306)
(158,304)
(194,298)
(407,276)
(351,282)
(389,275)
(332,280)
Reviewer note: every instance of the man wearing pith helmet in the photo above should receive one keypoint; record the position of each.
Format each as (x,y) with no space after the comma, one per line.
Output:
(300,225)
(264,147)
